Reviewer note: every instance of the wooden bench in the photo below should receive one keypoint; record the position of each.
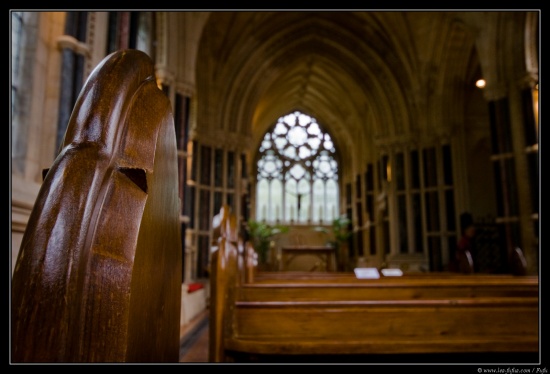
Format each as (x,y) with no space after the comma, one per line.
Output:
(98,276)
(294,316)
(384,326)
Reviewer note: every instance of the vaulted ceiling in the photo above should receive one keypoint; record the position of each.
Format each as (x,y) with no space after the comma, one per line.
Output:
(368,77)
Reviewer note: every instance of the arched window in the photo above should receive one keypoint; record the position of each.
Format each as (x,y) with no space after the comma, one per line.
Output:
(297,177)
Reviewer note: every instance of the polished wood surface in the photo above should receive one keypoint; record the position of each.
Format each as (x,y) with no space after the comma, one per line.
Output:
(194,339)
(98,275)
(386,326)
(344,286)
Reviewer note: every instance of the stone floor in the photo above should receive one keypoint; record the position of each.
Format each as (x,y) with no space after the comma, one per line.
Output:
(194,342)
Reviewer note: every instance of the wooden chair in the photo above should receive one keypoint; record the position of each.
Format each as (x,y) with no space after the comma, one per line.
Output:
(98,276)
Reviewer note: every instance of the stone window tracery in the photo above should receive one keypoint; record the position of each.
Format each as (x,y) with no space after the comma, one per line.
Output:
(297,172)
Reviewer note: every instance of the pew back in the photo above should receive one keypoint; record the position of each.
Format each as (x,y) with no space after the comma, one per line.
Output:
(348,287)
(385,326)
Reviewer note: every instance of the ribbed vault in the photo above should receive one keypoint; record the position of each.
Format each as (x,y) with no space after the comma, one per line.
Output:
(365,76)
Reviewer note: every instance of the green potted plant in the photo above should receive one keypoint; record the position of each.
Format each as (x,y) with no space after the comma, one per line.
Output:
(261,235)
(341,235)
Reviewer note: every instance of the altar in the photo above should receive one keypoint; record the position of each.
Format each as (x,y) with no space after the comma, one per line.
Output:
(323,252)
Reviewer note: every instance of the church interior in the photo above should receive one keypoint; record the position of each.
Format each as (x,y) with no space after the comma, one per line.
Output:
(318,143)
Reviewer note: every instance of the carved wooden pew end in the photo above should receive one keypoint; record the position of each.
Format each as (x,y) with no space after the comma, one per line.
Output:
(98,275)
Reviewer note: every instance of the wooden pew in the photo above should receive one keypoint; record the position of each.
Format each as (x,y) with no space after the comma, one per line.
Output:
(98,275)
(294,316)
(383,327)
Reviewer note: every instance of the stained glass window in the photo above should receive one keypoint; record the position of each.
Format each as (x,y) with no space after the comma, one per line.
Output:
(297,172)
